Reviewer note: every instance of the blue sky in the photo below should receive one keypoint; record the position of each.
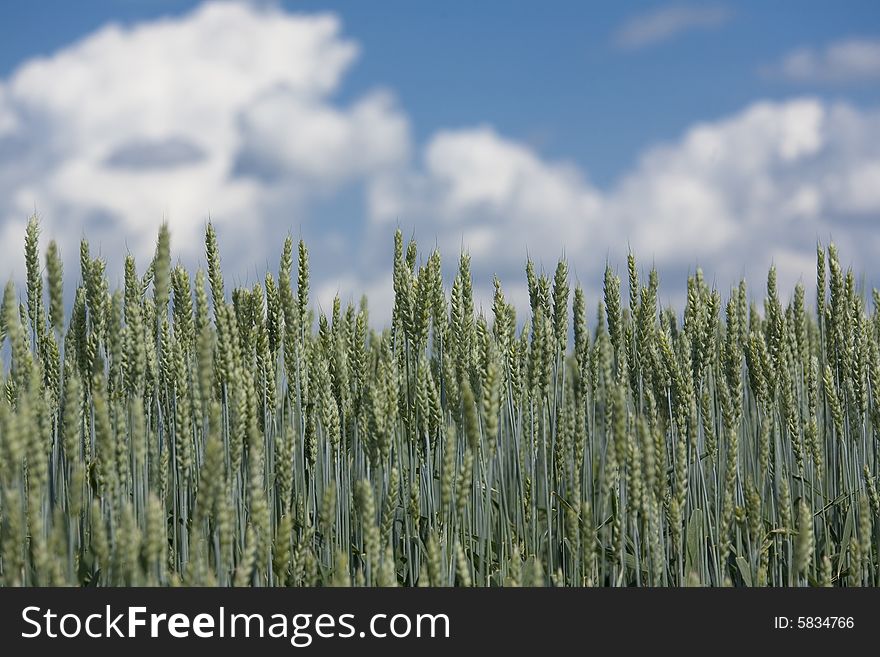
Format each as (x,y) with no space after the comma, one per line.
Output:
(548,74)
(590,104)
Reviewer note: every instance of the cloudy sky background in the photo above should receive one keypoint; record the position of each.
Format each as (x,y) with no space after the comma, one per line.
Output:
(726,136)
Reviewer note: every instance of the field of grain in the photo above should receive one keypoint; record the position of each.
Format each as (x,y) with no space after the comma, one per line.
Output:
(179,432)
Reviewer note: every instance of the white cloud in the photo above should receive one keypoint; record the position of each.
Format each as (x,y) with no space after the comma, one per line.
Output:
(495,196)
(842,62)
(327,145)
(666,23)
(700,194)
(225,110)
(731,195)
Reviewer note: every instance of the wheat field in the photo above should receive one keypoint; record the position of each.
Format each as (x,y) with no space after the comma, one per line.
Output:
(177,432)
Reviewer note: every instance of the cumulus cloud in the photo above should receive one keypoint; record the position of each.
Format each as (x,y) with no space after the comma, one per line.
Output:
(328,145)
(842,62)
(492,191)
(226,110)
(732,195)
(666,23)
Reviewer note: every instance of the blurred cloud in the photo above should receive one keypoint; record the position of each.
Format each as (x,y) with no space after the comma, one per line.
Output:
(666,23)
(232,111)
(843,62)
